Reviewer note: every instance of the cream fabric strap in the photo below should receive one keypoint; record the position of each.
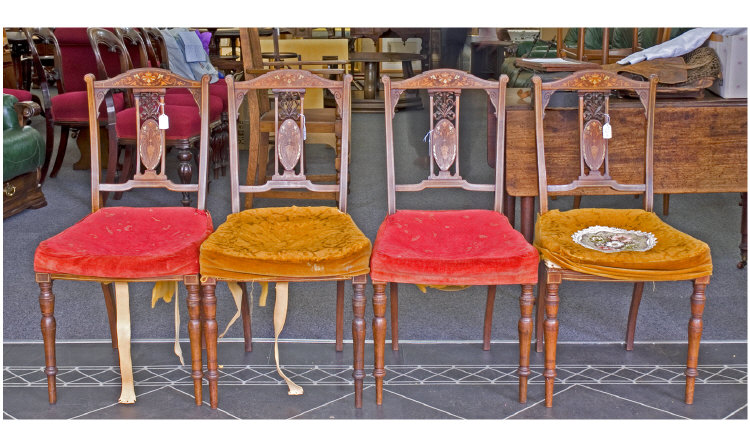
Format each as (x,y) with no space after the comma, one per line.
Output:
(236,292)
(279,317)
(122,300)
(165,290)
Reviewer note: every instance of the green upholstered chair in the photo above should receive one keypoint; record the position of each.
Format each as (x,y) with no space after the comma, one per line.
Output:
(23,155)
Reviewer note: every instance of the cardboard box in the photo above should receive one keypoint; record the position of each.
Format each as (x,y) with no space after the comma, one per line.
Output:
(732,52)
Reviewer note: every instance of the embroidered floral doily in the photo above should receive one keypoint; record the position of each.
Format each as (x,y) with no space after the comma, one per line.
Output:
(613,240)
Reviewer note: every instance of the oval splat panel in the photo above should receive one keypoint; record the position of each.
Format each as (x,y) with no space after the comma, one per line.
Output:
(444,144)
(290,143)
(149,145)
(593,145)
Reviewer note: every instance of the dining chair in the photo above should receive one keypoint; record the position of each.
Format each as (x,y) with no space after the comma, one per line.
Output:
(119,245)
(602,244)
(449,248)
(286,244)
(67,109)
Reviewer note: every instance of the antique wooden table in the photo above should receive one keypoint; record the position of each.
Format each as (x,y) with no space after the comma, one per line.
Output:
(370,99)
(700,146)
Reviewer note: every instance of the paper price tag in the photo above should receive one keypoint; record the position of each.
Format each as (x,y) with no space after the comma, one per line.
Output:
(163,122)
(606,128)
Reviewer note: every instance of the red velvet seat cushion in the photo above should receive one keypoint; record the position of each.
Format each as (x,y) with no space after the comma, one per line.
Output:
(215,105)
(124,242)
(74,106)
(217,89)
(462,247)
(22,95)
(184,122)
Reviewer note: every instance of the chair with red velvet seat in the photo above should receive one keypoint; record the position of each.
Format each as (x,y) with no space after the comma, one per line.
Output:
(68,109)
(449,247)
(127,244)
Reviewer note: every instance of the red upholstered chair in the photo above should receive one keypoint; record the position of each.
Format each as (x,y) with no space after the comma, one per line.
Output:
(125,244)
(68,109)
(447,247)
(287,244)
(608,245)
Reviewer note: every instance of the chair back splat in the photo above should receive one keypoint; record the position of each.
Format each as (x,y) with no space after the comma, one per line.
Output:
(288,88)
(444,88)
(148,85)
(593,88)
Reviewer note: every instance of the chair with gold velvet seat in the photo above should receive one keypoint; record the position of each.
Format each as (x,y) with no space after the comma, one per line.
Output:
(286,244)
(476,247)
(600,244)
(120,245)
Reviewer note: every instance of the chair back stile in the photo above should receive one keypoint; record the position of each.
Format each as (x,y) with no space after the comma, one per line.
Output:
(135,45)
(593,88)
(288,87)
(148,86)
(444,88)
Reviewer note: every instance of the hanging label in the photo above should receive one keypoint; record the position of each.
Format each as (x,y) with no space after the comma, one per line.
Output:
(304,128)
(607,128)
(163,118)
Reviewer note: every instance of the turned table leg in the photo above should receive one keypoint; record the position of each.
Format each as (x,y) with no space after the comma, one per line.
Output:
(371,80)
(527,218)
(743,230)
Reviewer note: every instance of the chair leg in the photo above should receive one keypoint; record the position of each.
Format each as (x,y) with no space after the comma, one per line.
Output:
(550,338)
(47,305)
(49,143)
(665,204)
(340,315)
(525,327)
(109,301)
(577,202)
(185,170)
(488,316)
(210,329)
(378,336)
(247,329)
(695,329)
(194,331)
(358,336)
(62,146)
(633,315)
(394,316)
(540,299)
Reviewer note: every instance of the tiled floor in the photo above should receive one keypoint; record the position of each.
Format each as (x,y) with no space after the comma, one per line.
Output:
(423,381)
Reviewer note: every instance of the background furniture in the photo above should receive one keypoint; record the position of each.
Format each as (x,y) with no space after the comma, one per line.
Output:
(23,155)
(448,248)
(288,244)
(131,244)
(675,255)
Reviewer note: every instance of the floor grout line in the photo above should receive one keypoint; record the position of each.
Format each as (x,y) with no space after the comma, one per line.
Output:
(635,402)
(113,404)
(541,401)
(204,401)
(426,405)
(734,412)
(328,403)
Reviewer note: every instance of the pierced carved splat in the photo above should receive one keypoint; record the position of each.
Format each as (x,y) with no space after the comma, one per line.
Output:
(444,144)
(150,142)
(290,144)
(289,105)
(593,144)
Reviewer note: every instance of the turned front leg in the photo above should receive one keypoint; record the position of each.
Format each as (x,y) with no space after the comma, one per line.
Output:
(194,331)
(695,329)
(49,326)
(378,335)
(358,337)
(525,325)
(210,329)
(550,340)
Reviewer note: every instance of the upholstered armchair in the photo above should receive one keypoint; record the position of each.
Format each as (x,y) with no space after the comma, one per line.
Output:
(23,155)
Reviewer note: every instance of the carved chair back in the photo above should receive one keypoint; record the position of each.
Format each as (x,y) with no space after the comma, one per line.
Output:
(603,55)
(77,58)
(45,36)
(148,86)
(593,88)
(288,87)
(444,87)
(136,46)
(101,37)
(156,48)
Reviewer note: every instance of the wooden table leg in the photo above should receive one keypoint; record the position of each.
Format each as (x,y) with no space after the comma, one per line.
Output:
(509,209)
(527,217)
(371,79)
(743,229)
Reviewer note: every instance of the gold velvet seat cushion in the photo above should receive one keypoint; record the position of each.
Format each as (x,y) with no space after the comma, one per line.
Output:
(287,242)
(676,255)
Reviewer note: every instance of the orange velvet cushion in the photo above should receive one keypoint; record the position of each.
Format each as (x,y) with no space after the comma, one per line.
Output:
(676,255)
(463,247)
(123,242)
(286,242)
